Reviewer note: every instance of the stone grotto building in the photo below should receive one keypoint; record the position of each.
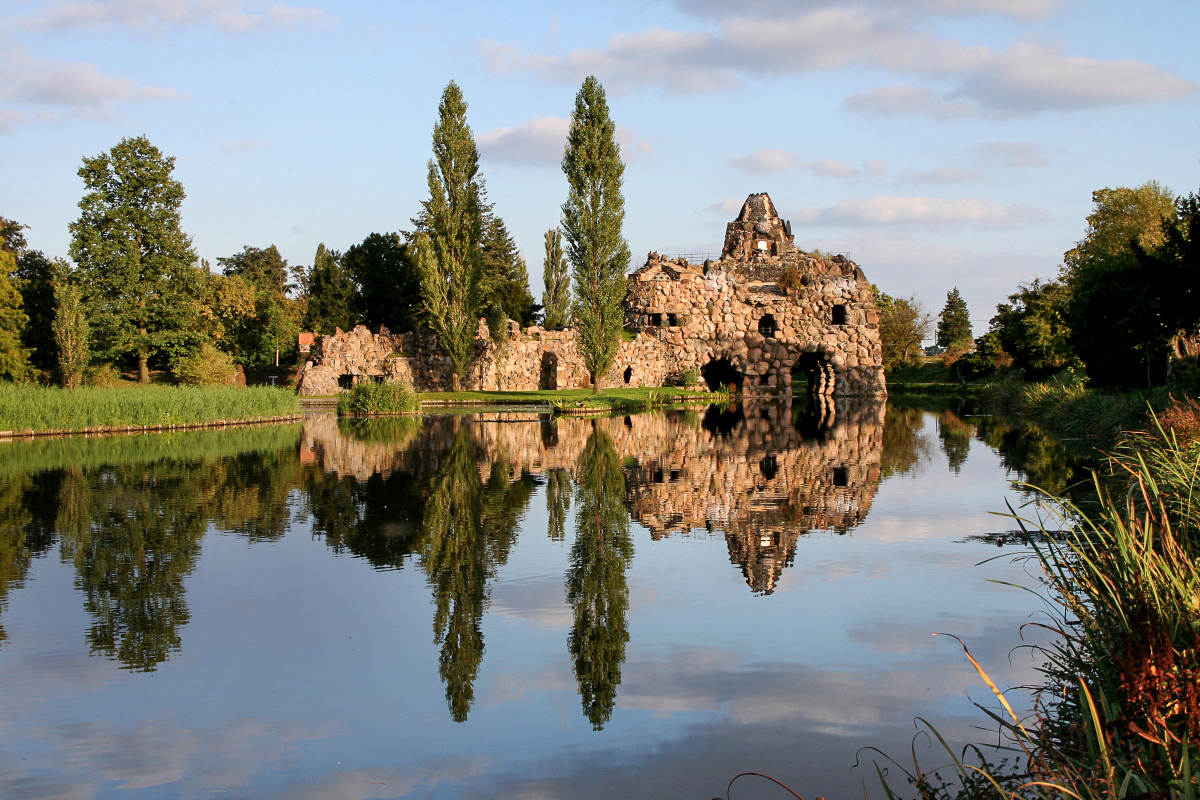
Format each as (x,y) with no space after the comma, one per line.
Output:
(761,314)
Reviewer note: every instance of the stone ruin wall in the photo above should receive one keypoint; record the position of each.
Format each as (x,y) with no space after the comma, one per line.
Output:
(761,486)
(821,312)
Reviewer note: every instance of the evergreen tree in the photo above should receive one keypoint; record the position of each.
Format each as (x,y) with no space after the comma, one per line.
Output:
(448,232)
(591,224)
(70,334)
(34,278)
(14,359)
(505,277)
(557,297)
(954,323)
(333,299)
(597,588)
(135,263)
(389,287)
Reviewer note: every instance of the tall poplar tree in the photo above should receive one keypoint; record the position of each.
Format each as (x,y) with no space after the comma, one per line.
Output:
(954,323)
(70,334)
(557,297)
(448,233)
(135,263)
(591,224)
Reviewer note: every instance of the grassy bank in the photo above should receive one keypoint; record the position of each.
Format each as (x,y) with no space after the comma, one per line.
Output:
(34,408)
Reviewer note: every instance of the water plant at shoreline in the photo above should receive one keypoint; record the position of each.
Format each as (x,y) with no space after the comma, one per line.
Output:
(34,408)
(379,398)
(1119,713)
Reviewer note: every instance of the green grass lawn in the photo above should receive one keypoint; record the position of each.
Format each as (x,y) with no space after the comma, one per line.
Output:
(38,408)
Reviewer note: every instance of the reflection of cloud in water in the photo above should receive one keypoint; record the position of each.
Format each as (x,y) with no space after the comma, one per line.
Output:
(541,603)
(383,782)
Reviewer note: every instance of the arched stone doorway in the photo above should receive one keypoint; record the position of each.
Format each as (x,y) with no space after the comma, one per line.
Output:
(549,376)
(817,371)
(721,372)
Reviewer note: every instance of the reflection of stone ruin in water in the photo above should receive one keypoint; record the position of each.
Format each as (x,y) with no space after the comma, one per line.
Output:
(763,313)
(764,476)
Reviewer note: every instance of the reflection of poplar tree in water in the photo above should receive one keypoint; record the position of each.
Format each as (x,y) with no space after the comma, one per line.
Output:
(596,585)
(17,550)
(558,502)
(134,535)
(469,530)
(956,439)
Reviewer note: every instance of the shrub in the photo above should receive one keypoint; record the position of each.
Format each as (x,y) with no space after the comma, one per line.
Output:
(207,366)
(379,398)
(684,379)
(102,376)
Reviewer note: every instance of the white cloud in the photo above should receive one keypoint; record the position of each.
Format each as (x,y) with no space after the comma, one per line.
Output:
(765,161)
(1017,9)
(541,141)
(1025,78)
(727,206)
(874,167)
(78,86)
(890,210)
(231,16)
(831,168)
(898,99)
(946,175)
(1010,154)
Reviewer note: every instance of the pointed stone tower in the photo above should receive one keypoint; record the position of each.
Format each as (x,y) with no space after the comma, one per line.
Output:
(757,231)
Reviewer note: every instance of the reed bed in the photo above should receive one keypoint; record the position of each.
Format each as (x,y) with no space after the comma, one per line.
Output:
(30,456)
(34,408)
(379,398)
(1118,716)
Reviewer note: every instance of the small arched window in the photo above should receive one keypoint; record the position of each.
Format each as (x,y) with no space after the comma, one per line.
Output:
(766,325)
(839,315)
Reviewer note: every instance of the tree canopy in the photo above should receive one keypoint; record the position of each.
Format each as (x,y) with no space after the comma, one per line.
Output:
(557,298)
(954,323)
(389,287)
(591,223)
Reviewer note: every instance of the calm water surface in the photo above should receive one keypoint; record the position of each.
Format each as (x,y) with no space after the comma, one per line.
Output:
(504,605)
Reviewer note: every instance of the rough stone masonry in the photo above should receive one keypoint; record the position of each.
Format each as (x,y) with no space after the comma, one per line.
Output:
(761,314)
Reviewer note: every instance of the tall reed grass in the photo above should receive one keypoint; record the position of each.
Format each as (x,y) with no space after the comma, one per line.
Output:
(1119,714)
(37,408)
(379,398)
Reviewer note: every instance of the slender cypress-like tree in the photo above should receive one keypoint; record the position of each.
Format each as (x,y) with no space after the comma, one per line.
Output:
(954,323)
(591,224)
(70,334)
(557,297)
(448,233)
(135,263)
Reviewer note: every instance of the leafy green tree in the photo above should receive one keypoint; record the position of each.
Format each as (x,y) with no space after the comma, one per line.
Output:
(954,323)
(597,588)
(276,320)
(1116,304)
(557,279)
(34,278)
(505,277)
(1031,328)
(136,266)
(903,326)
(14,358)
(333,300)
(497,322)
(389,286)
(448,232)
(70,334)
(591,223)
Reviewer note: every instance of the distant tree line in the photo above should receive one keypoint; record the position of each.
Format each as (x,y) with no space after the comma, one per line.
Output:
(137,296)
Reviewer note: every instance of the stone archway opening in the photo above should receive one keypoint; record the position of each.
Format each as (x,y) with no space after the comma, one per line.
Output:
(628,374)
(549,375)
(816,371)
(766,326)
(721,372)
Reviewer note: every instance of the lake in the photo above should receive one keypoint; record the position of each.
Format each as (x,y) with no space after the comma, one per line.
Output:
(508,605)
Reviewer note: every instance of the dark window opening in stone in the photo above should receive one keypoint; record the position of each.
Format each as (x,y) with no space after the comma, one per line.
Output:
(841,476)
(549,433)
(769,468)
(377,378)
(628,373)
(721,372)
(839,315)
(346,381)
(628,422)
(674,474)
(766,325)
(549,375)
(655,319)
(672,321)
(658,476)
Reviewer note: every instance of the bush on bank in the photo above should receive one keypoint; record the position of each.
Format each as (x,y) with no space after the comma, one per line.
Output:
(36,408)
(379,398)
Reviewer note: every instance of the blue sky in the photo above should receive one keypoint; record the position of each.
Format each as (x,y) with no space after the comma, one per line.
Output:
(936,142)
